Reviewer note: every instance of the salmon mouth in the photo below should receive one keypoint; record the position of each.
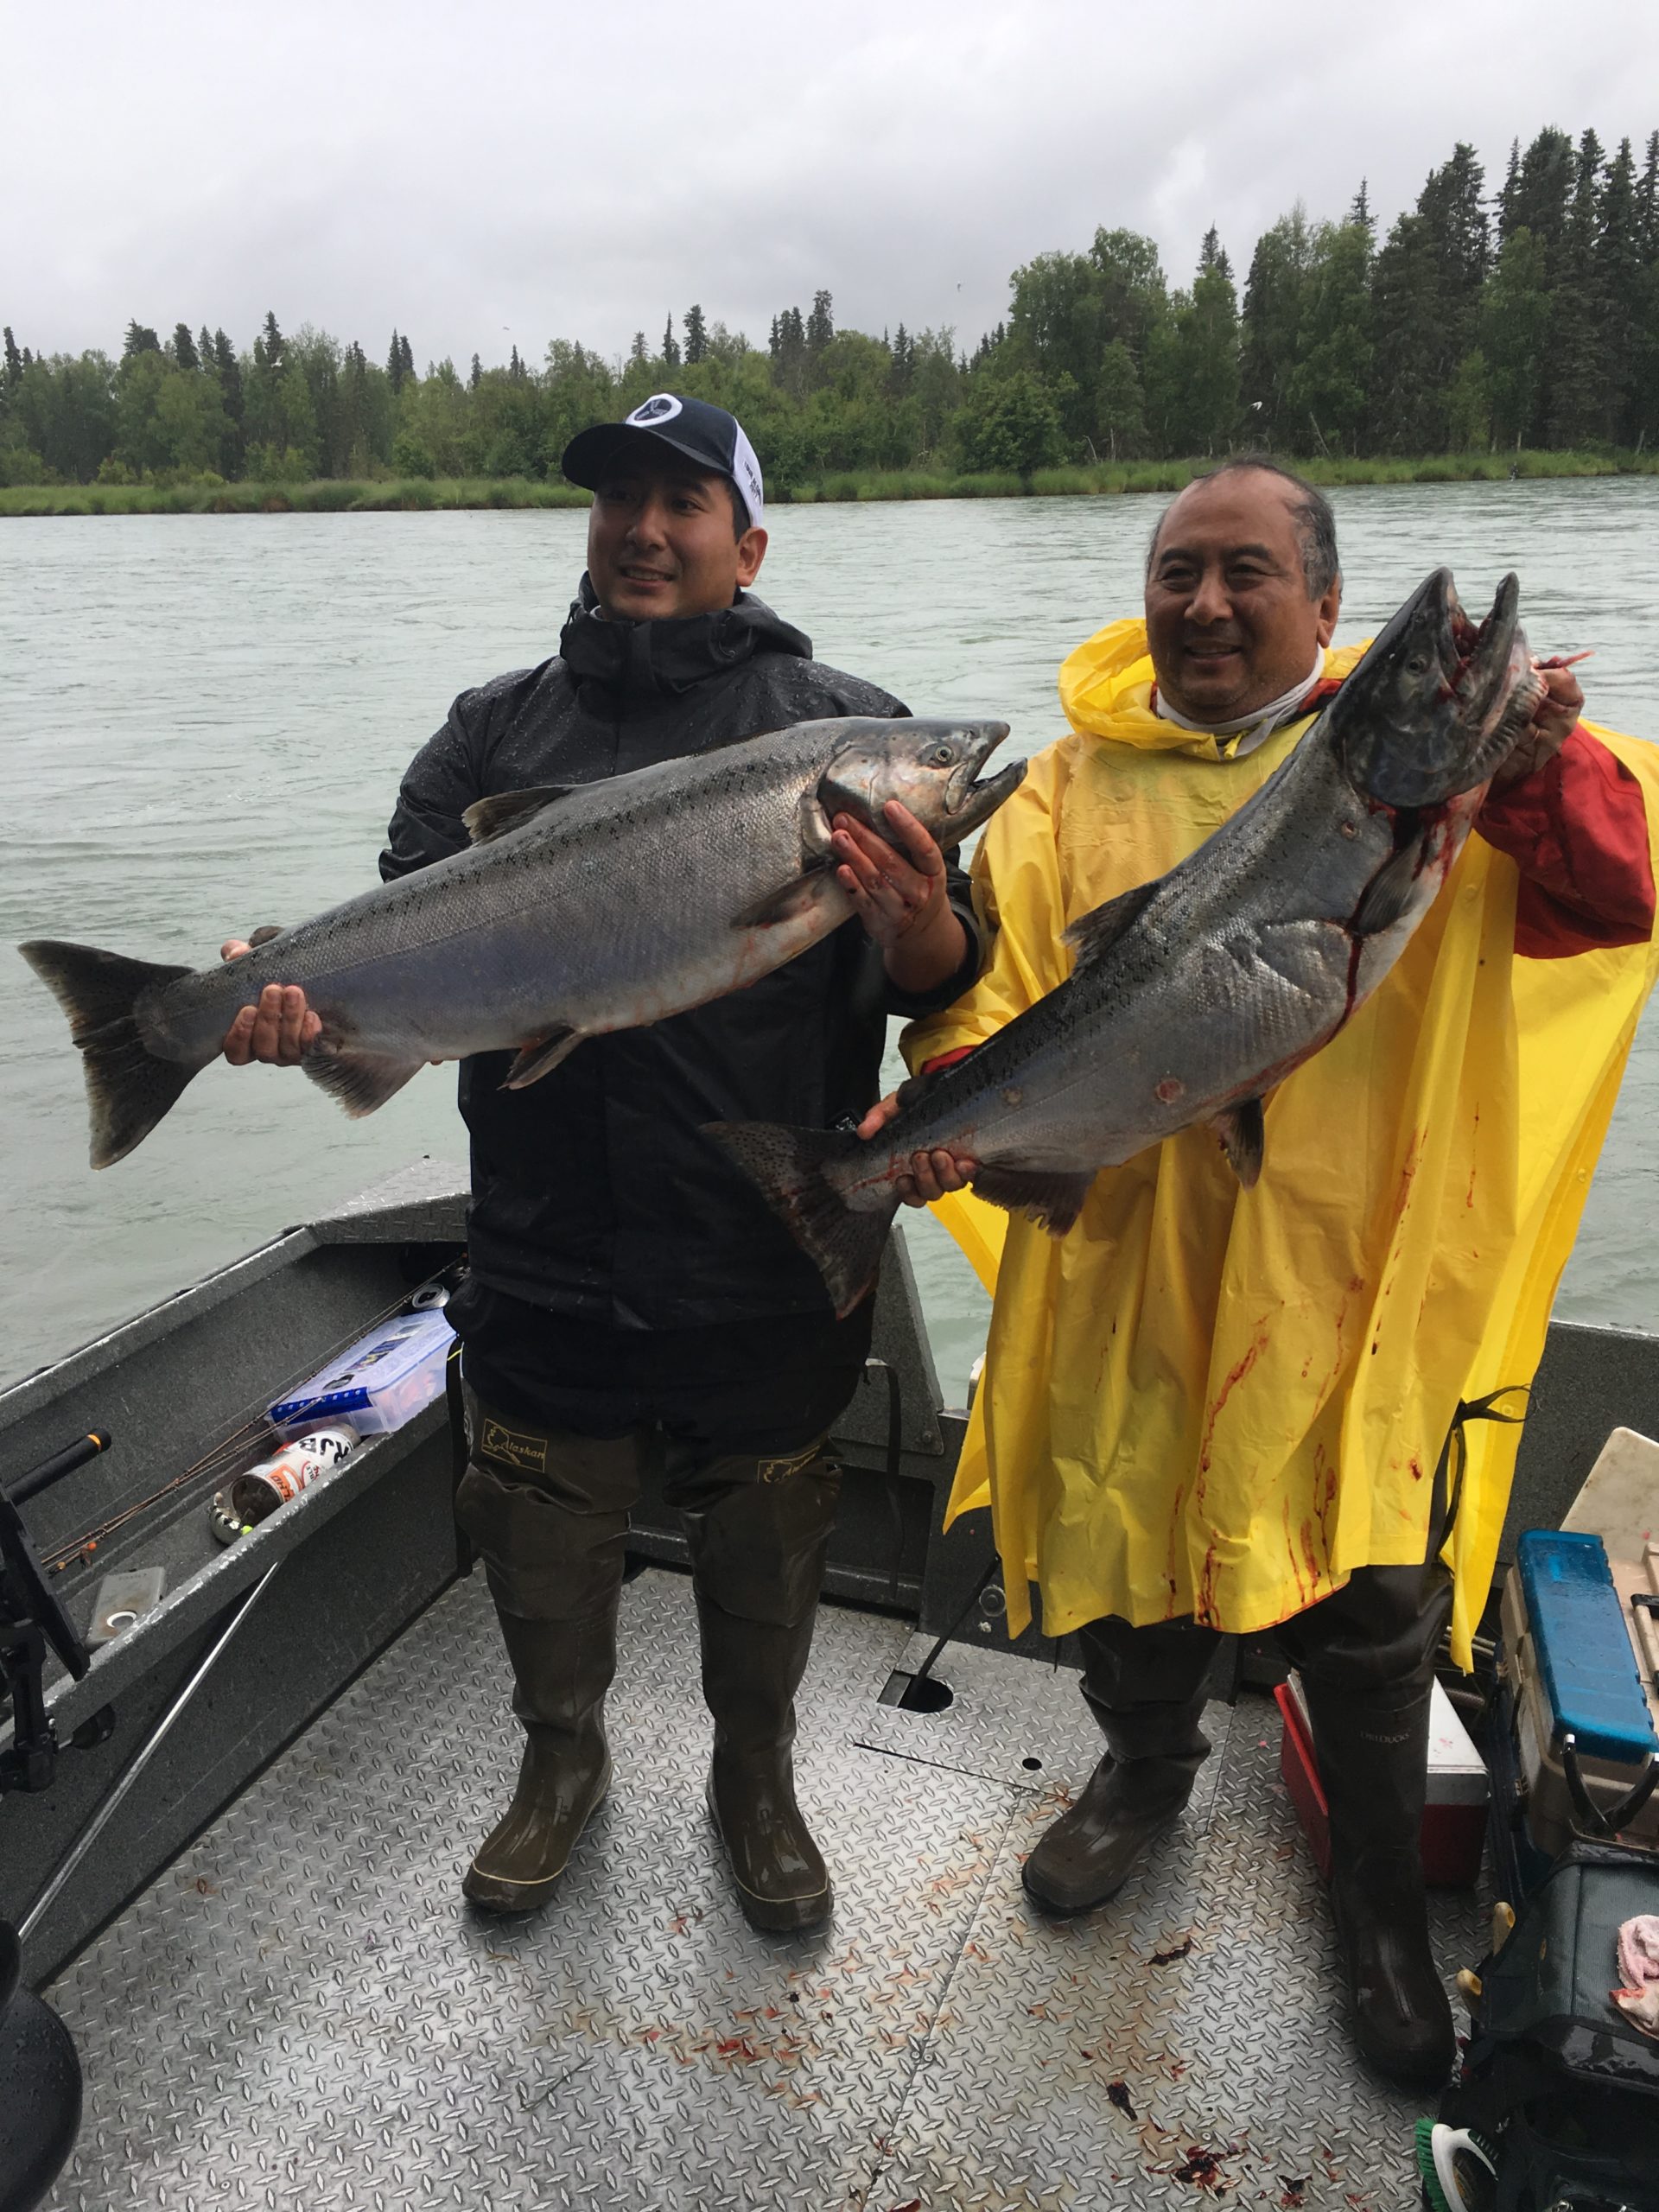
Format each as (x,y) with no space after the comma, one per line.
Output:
(964,786)
(1481,651)
(970,799)
(983,797)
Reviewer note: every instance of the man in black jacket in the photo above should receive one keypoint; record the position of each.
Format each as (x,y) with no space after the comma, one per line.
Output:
(631,1300)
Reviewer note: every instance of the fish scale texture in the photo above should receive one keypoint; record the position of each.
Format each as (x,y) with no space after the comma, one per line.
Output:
(754,803)
(300,2012)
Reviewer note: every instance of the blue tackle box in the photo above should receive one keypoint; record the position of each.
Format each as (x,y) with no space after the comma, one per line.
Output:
(1583,1730)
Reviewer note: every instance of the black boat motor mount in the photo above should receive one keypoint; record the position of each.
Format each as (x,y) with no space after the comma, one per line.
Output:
(40,2069)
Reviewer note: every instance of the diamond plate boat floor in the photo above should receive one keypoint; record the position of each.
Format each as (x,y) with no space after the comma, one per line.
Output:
(302,2012)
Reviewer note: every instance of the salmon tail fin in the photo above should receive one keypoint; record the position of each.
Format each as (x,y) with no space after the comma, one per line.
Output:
(129,1088)
(787,1165)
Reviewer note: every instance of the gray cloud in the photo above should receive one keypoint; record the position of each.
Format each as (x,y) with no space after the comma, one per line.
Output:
(506,173)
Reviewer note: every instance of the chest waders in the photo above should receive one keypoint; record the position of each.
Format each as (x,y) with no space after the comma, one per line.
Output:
(1366,1656)
(548,1512)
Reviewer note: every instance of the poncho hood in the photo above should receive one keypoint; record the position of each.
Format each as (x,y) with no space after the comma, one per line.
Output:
(1106,687)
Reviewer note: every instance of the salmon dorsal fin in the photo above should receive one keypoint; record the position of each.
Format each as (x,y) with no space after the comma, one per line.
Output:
(1094,934)
(492,817)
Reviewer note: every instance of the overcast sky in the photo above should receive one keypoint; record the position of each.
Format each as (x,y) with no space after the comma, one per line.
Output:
(495,172)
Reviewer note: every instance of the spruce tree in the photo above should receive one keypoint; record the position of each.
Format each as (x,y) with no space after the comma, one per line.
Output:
(140,339)
(1269,329)
(1515,339)
(1328,392)
(1647,204)
(12,373)
(1618,274)
(789,354)
(184,347)
(395,363)
(1452,203)
(904,364)
(228,370)
(1506,220)
(1541,194)
(274,342)
(696,337)
(638,356)
(671,346)
(1642,422)
(1409,382)
(1425,298)
(820,324)
(1207,356)
(408,357)
(476,375)
(1579,394)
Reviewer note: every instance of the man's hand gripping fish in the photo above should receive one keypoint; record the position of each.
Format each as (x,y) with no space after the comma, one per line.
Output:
(575,911)
(1193,995)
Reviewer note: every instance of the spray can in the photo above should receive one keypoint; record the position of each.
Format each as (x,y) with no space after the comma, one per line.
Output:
(274,1481)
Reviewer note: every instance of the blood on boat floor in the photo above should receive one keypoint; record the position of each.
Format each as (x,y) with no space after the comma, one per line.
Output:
(301,2010)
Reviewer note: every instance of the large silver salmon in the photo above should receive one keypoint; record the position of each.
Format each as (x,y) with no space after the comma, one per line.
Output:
(576,911)
(1192,994)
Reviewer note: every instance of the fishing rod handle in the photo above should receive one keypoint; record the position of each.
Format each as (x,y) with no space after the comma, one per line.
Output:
(60,1465)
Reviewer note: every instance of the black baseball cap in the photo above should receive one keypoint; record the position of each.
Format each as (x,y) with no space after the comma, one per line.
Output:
(700,433)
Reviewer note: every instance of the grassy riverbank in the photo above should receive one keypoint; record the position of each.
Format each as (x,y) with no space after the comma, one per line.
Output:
(417,495)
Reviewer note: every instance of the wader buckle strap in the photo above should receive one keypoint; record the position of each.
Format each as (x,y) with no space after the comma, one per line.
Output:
(460,1452)
(1454,1453)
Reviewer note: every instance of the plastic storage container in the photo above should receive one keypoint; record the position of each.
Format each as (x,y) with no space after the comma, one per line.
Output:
(384,1381)
(1454,1816)
(1571,1666)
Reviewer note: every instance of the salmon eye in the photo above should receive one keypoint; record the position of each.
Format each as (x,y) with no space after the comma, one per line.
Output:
(942,756)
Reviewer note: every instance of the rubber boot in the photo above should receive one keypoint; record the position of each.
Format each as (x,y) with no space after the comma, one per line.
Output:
(562,1669)
(757,1557)
(1372,1749)
(1136,1793)
(549,1515)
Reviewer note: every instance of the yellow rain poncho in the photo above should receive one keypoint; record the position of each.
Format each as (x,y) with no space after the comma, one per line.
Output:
(1219,1402)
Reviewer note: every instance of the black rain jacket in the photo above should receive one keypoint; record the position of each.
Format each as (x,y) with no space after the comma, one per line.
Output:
(595,1193)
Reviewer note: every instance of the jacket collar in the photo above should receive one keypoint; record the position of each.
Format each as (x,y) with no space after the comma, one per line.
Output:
(665,659)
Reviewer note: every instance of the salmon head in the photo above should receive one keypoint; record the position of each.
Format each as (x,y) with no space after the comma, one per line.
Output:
(931,765)
(1439,700)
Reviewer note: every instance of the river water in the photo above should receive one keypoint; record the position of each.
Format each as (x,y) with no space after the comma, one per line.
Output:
(203,720)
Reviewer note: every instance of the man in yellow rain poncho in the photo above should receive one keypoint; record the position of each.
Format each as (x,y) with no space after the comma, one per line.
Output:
(1207,1410)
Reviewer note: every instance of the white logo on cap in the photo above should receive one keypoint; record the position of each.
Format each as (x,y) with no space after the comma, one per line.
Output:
(746,473)
(661,407)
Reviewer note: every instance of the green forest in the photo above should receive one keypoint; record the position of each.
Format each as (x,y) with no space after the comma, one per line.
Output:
(1522,321)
